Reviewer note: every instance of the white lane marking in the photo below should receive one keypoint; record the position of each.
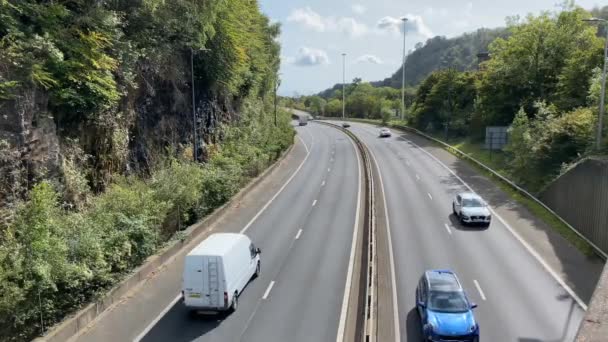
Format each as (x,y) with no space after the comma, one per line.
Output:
(299,233)
(483,296)
(431,197)
(157,318)
(447,227)
(323,184)
(527,246)
(282,187)
(314,203)
(351,260)
(417,177)
(268,290)
(390,253)
(328,169)
(168,307)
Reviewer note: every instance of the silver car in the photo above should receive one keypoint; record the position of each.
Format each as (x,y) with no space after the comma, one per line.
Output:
(385,132)
(471,208)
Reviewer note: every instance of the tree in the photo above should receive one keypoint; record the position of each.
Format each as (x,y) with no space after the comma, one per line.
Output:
(546,58)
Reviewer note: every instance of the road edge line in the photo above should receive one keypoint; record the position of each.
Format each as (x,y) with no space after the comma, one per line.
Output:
(526,245)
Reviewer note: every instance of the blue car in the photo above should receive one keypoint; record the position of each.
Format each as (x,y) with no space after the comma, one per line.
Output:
(446,314)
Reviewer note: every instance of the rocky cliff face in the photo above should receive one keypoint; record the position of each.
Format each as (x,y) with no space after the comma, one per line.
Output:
(30,148)
(155,119)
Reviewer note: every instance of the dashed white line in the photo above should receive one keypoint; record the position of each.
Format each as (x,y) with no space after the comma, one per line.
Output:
(314,203)
(483,296)
(299,233)
(268,290)
(417,177)
(447,227)
(526,245)
(328,169)
(431,197)
(293,175)
(323,184)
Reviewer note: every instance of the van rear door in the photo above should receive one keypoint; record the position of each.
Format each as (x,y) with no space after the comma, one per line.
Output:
(202,282)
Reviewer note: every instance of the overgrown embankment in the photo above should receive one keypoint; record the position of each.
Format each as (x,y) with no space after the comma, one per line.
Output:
(96,138)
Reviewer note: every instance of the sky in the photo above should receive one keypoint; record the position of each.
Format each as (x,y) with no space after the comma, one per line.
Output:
(315,33)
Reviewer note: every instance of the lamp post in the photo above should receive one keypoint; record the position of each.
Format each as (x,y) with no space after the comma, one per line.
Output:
(404,19)
(195,154)
(600,119)
(343,84)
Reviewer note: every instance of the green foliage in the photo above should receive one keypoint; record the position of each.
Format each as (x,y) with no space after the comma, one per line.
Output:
(546,58)
(96,62)
(436,53)
(538,148)
(445,97)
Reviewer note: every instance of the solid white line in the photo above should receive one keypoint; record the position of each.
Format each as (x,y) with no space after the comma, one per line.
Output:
(314,203)
(417,177)
(157,318)
(299,233)
(431,197)
(390,253)
(448,228)
(323,184)
(351,261)
(268,290)
(282,187)
(527,246)
(479,289)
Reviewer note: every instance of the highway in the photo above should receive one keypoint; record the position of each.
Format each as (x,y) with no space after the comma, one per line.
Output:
(518,298)
(306,235)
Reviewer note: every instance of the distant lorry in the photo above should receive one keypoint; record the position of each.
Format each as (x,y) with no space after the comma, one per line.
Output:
(303,120)
(217,270)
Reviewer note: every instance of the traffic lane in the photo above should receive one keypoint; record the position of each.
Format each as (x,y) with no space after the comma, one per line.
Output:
(133,314)
(522,282)
(305,302)
(514,291)
(272,232)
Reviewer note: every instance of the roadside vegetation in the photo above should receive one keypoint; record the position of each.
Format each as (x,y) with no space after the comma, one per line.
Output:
(113,80)
(542,81)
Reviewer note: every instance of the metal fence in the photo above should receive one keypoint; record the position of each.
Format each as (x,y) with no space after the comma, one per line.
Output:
(580,196)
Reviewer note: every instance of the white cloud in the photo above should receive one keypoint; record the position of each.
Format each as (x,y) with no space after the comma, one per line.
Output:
(308,18)
(440,12)
(314,21)
(286,60)
(351,27)
(311,57)
(369,59)
(358,8)
(414,24)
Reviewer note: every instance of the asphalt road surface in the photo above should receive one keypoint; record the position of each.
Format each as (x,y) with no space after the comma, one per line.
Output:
(518,299)
(306,236)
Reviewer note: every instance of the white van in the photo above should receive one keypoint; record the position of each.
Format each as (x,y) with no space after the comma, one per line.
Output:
(217,270)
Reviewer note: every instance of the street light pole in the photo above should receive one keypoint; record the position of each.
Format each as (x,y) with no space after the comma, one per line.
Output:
(195,154)
(343,84)
(404,19)
(600,119)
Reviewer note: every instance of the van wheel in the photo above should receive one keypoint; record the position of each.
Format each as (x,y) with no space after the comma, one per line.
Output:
(235,302)
(257,270)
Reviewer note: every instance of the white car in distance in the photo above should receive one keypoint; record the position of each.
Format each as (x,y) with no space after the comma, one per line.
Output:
(385,132)
(470,208)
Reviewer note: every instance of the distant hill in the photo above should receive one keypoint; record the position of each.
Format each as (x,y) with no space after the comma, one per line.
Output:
(438,53)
